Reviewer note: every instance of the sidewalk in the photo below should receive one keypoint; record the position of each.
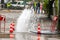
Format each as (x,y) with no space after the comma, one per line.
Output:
(10,11)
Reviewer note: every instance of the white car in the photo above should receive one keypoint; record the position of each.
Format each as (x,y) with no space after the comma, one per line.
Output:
(20,4)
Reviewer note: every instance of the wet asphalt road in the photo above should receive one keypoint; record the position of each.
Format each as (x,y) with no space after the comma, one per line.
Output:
(24,36)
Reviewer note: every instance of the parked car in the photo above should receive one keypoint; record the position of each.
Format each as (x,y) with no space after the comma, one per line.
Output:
(19,4)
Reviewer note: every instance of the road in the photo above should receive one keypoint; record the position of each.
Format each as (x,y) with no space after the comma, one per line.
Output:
(23,36)
(32,36)
(10,16)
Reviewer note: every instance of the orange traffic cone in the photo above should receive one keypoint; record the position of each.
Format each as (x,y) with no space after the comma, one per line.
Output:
(12,25)
(39,30)
(11,30)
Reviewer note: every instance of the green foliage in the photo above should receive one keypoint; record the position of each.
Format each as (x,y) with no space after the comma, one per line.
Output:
(56,7)
(45,4)
(56,4)
(27,0)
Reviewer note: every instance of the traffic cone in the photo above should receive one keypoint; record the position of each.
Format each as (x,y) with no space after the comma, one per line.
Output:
(11,30)
(12,25)
(39,30)
(1,18)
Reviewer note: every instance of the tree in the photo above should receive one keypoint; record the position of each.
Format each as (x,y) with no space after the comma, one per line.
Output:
(56,7)
(48,7)
(45,5)
(58,27)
